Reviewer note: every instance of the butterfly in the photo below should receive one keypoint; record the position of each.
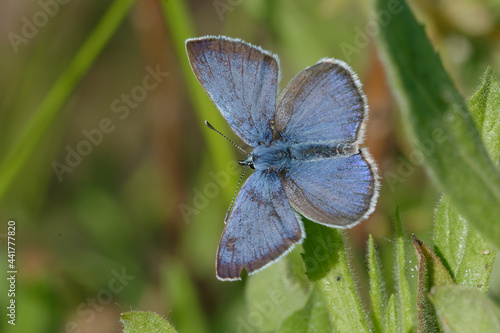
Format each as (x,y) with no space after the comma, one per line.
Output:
(306,152)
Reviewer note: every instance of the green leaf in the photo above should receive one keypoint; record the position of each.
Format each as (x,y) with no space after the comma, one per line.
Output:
(403,294)
(377,290)
(468,257)
(44,115)
(431,273)
(485,108)
(312,318)
(141,321)
(273,295)
(461,309)
(391,322)
(327,266)
(440,125)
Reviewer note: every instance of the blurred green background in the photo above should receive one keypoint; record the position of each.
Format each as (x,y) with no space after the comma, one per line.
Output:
(135,224)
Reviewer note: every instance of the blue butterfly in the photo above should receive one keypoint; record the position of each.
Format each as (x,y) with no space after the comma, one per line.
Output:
(305,149)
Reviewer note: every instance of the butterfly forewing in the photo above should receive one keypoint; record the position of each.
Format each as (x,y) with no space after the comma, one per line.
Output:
(241,81)
(260,228)
(322,103)
(338,192)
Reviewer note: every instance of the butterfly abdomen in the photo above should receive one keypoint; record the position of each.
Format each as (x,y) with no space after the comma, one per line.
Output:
(281,155)
(315,151)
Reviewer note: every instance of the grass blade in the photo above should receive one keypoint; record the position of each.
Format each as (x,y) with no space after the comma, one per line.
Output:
(391,322)
(39,123)
(403,294)
(377,291)
(180,291)
(181,28)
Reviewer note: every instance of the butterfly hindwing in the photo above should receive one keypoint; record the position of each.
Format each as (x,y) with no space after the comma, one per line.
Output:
(241,80)
(337,192)
(322,103)
(260,228)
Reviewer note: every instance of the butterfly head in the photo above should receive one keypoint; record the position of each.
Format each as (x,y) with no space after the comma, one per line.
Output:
(268,157)
(249,161)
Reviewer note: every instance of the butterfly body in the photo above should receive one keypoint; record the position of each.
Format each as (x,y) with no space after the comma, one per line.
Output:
(306,152)
(281,155)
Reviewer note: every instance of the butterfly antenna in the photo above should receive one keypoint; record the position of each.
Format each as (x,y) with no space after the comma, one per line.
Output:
(234,195)
(213,128)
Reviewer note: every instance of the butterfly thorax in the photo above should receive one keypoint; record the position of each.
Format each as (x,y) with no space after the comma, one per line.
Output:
(279,155)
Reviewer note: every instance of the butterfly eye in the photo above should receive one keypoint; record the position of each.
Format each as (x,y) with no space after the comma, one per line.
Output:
(249,161)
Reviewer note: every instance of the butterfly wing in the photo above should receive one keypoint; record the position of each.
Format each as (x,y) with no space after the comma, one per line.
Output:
(241,80)
(337,192)
(260,229)
(322,103)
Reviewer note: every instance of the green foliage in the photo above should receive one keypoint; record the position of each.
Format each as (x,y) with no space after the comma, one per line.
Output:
(403,295)
(327,266)
(142,321)
(181,27)
(461,309)
(273,295)
(115,213)
(458,161)
(391,319)
(33,131)
(312,318)
(378,296)
(485,109)
(431,273)
(180,289)
(466,254)
(444,131)
(439,122)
